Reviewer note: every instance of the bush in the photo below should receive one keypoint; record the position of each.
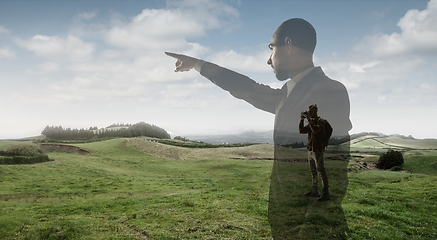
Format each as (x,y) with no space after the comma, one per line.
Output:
(24,159)
(22,154)
(390,159)
(396,168)
(22,150)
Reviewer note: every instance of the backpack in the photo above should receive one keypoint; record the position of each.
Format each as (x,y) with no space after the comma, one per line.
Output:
(328,132)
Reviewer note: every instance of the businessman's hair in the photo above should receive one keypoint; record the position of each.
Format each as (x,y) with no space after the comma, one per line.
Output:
(302,34)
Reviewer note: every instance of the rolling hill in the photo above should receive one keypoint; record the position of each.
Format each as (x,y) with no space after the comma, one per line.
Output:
(137,188)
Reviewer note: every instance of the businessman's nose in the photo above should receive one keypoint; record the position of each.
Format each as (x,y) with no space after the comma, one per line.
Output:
(269,62)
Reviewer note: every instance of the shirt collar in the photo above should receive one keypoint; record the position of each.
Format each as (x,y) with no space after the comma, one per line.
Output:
(301,75)
(297,78)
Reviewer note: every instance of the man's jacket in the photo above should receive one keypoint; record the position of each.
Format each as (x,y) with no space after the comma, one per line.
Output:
(316,134)
(330,96)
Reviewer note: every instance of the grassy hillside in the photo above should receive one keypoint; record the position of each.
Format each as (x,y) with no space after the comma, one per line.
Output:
(4,144)
(121,193)
(260,151)
(381,144)
(136,189)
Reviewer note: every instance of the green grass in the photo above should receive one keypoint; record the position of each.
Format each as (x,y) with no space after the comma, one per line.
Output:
(259,151)
(122,192)
(410,143)
(369,143)
(391,205)
(381,144)
(4,144)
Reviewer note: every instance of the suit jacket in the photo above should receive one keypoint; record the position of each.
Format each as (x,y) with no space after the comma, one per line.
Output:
(290,215)
(330,96)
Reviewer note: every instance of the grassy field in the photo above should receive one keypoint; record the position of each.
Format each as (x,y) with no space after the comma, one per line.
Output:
(139,189)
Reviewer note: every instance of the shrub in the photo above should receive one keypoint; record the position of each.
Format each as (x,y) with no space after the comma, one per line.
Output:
(21,150)
(396,168)
(22,154)
(390,159)
(24,159)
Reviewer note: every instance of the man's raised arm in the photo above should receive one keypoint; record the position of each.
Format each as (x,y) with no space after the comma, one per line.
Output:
(240,86)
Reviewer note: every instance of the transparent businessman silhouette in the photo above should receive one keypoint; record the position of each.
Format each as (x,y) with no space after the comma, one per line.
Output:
(292,215)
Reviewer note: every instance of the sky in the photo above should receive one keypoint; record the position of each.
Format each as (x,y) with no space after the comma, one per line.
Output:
(79,64)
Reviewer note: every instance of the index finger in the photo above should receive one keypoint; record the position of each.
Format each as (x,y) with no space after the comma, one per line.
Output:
(173,55)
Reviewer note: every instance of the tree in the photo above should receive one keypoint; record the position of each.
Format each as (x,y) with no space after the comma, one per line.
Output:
(126,130)
(390,159)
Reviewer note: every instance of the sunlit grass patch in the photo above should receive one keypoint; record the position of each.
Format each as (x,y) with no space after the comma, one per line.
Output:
(391,205)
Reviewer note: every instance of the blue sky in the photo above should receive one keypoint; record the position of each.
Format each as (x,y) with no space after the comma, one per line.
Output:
(93,63)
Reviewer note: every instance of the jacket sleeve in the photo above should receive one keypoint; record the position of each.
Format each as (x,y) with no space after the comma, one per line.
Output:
(303,129)
(242,87)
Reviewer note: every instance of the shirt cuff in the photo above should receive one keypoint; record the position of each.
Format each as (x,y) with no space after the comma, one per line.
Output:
(198,65)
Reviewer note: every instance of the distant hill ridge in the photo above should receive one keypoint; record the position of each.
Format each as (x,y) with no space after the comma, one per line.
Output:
(267,137)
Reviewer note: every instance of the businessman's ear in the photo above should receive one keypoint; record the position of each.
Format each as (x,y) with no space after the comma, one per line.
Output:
(288,44)
(288,41)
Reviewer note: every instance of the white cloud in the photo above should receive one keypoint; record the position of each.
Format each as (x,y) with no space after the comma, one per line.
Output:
(384,60)
(133,49)
(417,37)
(4,30)
(357,72)
(212,14)
(169,29)
(128,69)
(187,95)
(85,16)
(390,74)
(382,98)
(245,63)
(6,53)
(57,48)
(360,68)
(428,88)
(44,68)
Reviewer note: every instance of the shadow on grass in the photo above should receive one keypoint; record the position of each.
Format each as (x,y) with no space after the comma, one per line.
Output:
(294,216)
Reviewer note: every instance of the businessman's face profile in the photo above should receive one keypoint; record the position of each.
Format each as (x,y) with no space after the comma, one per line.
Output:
(278,59)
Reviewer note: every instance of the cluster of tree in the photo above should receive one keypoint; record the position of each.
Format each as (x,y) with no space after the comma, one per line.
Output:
(403,136)
(22,154)
(296,145)
(182,139)
(390,159)
(119,125)
(135,130)
(184,142)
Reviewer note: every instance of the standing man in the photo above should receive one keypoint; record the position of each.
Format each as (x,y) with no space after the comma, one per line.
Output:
(292,47)
(316,146)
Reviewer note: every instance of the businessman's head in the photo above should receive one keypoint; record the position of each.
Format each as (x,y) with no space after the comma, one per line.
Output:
(292,47)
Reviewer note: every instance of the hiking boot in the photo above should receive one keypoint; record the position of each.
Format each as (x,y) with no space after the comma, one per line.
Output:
(314,192)
(325,195)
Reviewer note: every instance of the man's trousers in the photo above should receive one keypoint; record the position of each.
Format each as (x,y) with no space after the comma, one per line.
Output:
(317,164)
